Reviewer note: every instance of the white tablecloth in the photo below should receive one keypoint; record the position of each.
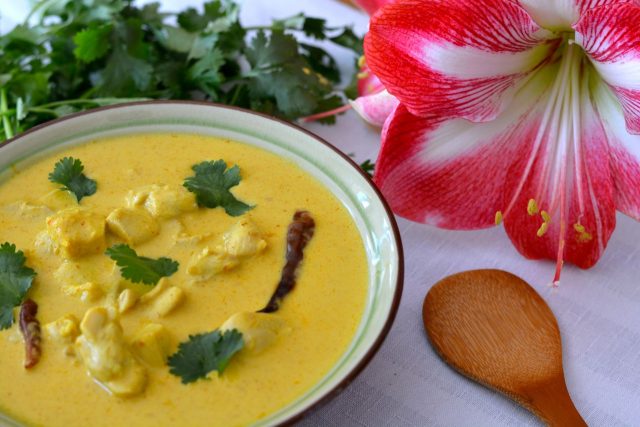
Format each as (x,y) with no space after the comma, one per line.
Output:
(407,384)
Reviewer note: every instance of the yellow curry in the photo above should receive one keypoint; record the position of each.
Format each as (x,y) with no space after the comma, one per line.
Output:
(106,341)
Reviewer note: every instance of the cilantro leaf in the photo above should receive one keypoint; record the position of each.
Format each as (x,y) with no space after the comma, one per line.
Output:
(349,40)
(15,281)
(92,43)
(141,269)
(211,185)
(74,54)
(68,172)
(204,353)
(368,167)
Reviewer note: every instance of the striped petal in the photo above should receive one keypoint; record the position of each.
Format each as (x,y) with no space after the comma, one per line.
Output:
(453,58)
(559,202)
(368,83)
(624,149)
(371,6)
(610,35)
(451,172)
(561,14)
(376,108)
(547,152)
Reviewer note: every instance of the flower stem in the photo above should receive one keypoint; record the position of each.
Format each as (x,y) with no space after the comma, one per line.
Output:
(325,114)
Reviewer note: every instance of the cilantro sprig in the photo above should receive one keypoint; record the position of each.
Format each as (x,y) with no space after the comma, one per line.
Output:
(141,269)
(69,173)
(212,183)
(72,56)
(15,281)
(205,353)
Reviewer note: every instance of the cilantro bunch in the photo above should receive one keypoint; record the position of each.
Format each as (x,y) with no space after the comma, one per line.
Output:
(86,53)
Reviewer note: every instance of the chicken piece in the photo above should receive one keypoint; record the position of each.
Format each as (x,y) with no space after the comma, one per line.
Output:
(107,357)
(75,283)
(26,210)
(64,332)
(77,232)
(44,244)
(58,200)
(163,298)
(243,239)
(134,226)
(88,292)
(259,330)
(162,285)
(208,263)
(152,345)
(168,301)
(127,300)
(162,201)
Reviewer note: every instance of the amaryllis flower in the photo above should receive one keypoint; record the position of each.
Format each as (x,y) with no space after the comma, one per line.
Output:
(523,112)
(370,6)
(374,103)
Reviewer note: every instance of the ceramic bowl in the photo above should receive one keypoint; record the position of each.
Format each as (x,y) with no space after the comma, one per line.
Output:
(332,168)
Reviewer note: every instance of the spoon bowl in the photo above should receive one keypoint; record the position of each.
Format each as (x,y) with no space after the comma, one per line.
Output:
(494,328)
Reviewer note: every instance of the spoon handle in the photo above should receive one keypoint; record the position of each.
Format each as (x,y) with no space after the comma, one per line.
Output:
(551,402)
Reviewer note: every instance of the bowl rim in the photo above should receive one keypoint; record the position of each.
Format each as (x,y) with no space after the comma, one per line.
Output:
(373,349)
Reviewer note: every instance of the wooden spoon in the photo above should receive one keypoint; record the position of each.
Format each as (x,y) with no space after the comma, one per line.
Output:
(494,328)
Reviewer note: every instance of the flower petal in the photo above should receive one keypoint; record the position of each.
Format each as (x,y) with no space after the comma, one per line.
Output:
(450,173)
(368,83)
(611,37)
(459,58)
(375,108)
(371,6)
(624,149)
(561,14)
(568,176)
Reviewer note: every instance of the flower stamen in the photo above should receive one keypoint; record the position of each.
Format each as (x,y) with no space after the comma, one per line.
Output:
(583,235)
(543,229)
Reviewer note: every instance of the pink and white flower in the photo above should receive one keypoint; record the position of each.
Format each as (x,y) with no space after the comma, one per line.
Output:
(521,111)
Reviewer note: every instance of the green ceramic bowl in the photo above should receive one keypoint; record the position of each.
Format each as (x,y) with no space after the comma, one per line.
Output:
(335,170)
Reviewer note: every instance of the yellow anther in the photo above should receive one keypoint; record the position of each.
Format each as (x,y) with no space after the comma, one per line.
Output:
(532,207)
(498,217)
(543,229)
(583,236)
(363,75)
(361,61)
(545,216)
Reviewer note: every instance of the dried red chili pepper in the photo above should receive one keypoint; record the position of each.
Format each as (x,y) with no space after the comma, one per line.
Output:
(298,235)
(30,327)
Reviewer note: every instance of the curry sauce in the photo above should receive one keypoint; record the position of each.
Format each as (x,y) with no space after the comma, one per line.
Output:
(228,267)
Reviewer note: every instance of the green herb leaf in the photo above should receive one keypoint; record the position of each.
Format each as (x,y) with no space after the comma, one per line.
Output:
(211,185)
(15,281)
(368,166)
(204,353)
(141,269)
(92,43)
(68,172)
(72,53)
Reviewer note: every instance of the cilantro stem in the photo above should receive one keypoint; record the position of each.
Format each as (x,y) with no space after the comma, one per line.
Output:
(6,123)
(236,93)
(99,101)
(43,110)
(48,107)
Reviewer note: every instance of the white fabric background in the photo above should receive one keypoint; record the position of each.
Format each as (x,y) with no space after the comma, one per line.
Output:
(406,384)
